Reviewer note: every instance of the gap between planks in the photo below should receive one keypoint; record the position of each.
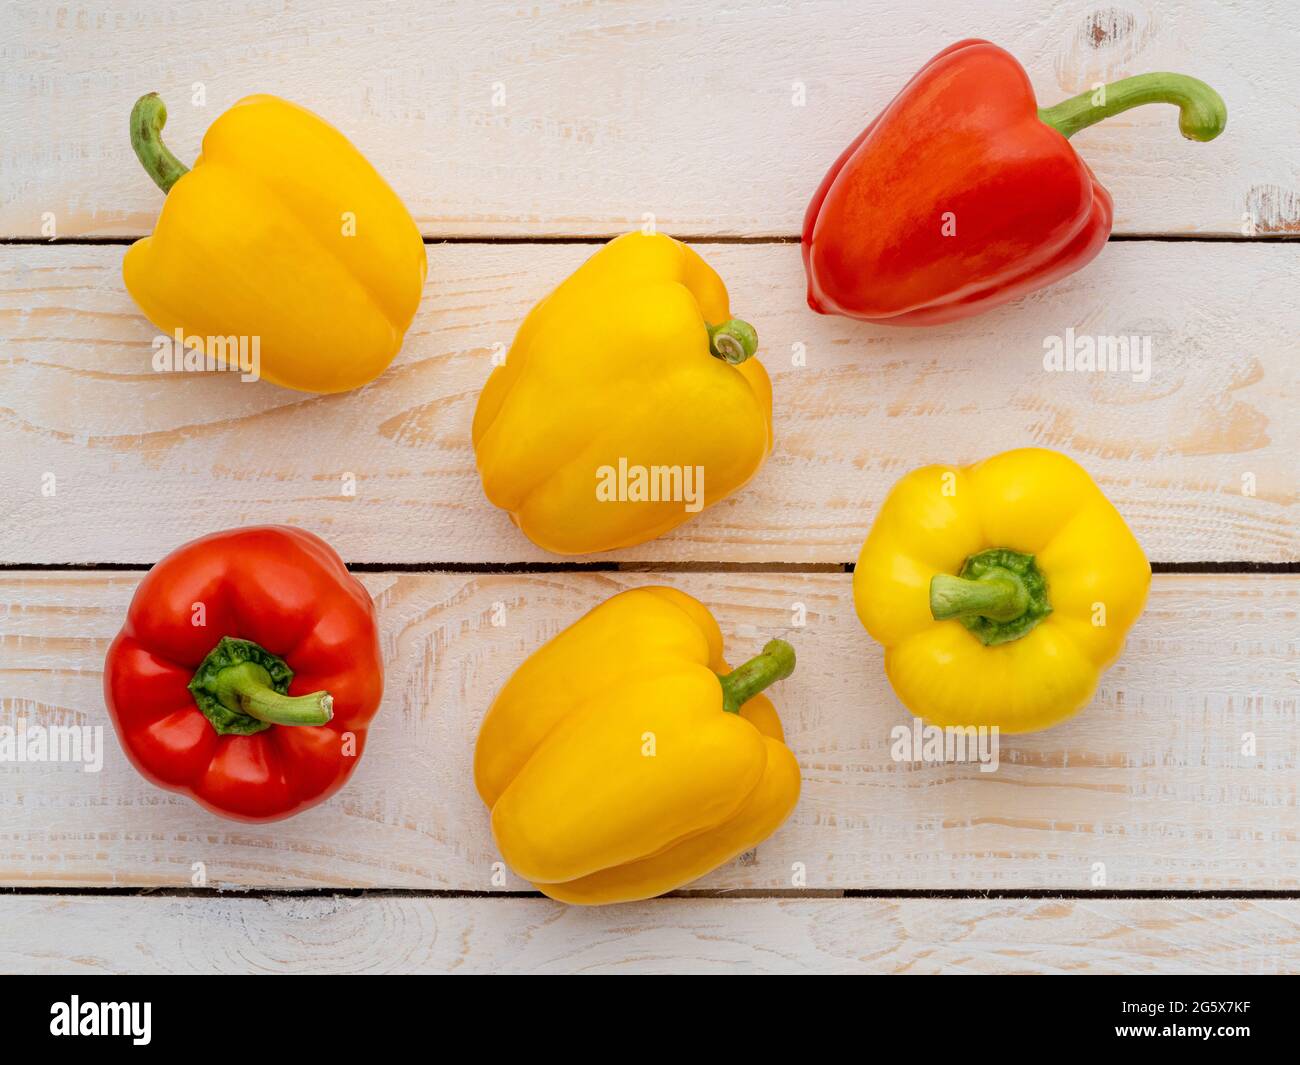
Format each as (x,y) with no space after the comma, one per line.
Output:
(237,892)
(703,239)
(524,568)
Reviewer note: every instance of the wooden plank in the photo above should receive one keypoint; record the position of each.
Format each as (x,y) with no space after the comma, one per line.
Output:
(715,121)
(142,461)
(1147,788)
(430,935)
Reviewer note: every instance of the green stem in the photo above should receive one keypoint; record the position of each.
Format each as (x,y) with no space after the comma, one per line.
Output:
(148,117)
(247,687)
(999,595)
(243,689)
(733,341)
(744,682)
(998,598)
(1202,112)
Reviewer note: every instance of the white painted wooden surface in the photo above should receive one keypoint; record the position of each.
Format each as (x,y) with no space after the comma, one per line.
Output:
(610,111)
(405,935)
(684,111)
(145,461)
(1148,786)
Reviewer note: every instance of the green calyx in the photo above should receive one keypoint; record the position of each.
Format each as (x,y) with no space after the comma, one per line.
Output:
(999,595)
(1202,114)
(744,682)
(733,341)
(242,688)
(148,117)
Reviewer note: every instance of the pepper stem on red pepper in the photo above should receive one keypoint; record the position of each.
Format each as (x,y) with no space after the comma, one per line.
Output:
(999,595)
(148,117)
(744,682)
(733,341)
(247,687)
(241,688)
(1202,113)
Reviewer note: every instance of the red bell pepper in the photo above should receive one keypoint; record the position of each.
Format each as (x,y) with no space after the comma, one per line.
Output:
(962,194)
(247,672)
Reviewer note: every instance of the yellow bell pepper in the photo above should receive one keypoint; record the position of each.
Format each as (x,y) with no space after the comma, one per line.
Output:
(623,759)
(1000,591)
(627,402)
(284,233)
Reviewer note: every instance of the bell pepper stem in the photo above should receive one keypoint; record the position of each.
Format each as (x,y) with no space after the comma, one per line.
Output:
(733,341)
(744,682)
(999,595)
(148,117)
(1202,112)
(999,598)
(247,687)
(242,689)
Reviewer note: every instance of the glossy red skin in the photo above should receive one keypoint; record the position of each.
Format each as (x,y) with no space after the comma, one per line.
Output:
(286,590)
(963,136)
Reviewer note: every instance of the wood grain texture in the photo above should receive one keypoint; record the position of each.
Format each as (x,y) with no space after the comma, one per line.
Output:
(1147,787)
(422,935)
(143,461)
(611,111)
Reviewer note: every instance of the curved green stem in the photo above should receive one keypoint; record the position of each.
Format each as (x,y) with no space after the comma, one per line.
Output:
(733,341)
(247,687)
(148,117)
(999,595)
(241,688)
(1202,112)
(744,682)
